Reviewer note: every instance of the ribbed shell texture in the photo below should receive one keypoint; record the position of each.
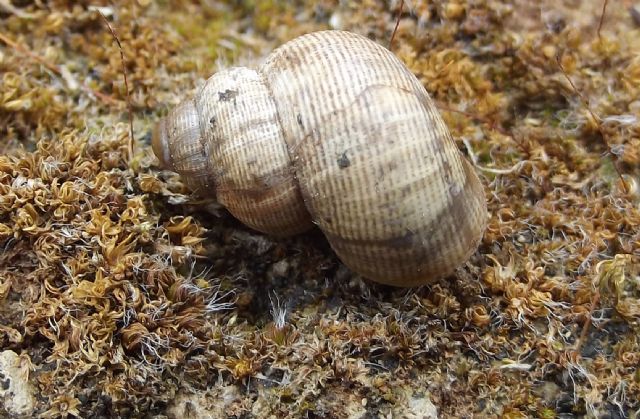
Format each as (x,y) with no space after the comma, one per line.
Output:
(333,128)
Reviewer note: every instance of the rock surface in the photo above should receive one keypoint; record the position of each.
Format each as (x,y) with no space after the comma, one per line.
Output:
(16,393)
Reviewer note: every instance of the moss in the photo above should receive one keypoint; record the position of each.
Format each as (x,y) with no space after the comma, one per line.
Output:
(125,292)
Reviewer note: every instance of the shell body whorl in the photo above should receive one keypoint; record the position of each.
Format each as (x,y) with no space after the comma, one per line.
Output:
(334,129)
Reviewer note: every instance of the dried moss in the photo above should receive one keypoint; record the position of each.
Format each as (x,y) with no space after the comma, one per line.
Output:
(129,298)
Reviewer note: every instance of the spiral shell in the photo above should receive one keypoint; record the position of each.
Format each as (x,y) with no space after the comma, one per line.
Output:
(333,130)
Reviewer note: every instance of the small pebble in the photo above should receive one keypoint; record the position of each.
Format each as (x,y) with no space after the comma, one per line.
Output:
(17,395)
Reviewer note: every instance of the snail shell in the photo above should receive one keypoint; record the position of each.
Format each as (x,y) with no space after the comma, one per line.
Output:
(333,130)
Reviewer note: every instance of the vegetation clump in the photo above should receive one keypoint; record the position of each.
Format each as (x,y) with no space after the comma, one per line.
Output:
(123,295)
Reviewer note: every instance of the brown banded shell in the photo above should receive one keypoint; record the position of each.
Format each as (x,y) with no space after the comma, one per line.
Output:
(333,130)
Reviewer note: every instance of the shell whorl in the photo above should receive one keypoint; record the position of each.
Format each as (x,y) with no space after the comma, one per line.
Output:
(334,128)
(176,143)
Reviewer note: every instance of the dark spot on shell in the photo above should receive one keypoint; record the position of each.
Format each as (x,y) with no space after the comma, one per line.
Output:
(293,59)
(212,121)
(343,161)
(5,383)
(227,95)
(299,118)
